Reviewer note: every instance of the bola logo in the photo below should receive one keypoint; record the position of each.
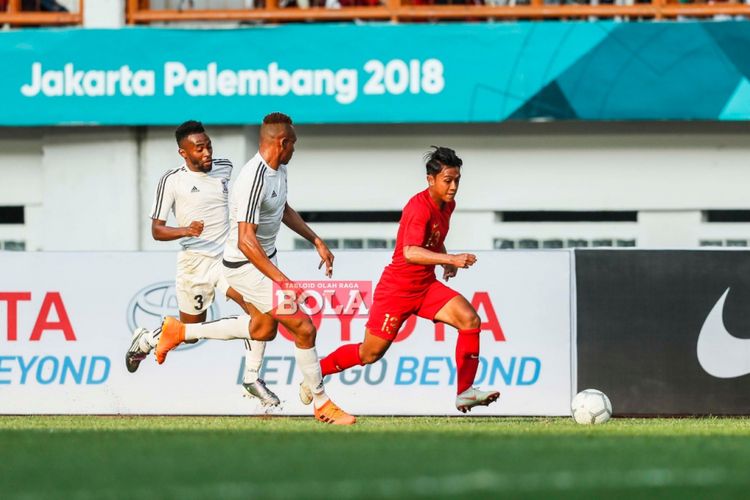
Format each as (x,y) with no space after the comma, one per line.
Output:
(153,303)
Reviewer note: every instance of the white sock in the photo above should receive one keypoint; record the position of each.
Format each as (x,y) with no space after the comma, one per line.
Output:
(309,365)
(254,350)
(233,327)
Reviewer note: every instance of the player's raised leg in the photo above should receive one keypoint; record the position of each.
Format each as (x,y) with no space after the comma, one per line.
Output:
(175,332)
(195,292)
(458,313)
(199,279)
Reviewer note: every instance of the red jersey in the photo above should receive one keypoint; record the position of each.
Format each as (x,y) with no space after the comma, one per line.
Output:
(422,224)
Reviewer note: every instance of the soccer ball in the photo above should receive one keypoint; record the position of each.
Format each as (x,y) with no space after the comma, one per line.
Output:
(591,407)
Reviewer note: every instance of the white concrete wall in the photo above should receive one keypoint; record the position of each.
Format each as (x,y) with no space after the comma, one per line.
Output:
(108,14)
(531,166)
(92,188)
(22,183)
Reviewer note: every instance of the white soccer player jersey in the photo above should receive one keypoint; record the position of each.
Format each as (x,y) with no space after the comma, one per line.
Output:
(258,197)
(197,196)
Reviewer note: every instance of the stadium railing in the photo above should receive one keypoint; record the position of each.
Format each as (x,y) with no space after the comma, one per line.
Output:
(141,11)
(14,15)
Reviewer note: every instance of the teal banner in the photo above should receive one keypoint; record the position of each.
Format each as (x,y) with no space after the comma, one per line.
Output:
(323,73)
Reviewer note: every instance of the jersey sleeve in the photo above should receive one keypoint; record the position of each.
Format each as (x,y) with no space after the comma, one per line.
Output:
(414,221)
(251,199)
(164,199)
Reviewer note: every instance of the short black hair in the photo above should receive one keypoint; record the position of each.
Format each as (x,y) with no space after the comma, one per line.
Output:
(188,128)
(440,157)
(276,118)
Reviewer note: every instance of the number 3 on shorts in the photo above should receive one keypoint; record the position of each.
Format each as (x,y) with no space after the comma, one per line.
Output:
(199,299)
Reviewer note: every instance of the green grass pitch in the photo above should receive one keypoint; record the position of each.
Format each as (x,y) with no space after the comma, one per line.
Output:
(88,457)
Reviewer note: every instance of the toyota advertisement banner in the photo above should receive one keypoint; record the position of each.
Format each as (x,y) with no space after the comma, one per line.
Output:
(66,321)
(665,332)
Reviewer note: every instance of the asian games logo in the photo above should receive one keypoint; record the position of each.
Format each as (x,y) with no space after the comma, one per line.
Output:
(151,304)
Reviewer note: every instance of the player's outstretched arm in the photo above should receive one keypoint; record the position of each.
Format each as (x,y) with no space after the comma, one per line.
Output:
(161,232)
(421,256)
(250,246)
(296,223)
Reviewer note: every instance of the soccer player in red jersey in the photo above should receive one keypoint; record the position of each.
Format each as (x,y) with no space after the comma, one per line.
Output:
(409,286)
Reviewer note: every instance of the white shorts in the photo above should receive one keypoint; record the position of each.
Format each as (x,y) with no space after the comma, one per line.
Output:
(197,277)
(254,286)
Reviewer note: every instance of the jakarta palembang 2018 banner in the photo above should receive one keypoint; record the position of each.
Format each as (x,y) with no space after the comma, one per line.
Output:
(378,73)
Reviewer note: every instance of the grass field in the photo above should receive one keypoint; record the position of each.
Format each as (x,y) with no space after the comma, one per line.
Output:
(380,457)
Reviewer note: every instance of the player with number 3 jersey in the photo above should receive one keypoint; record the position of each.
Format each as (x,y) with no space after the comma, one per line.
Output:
(197,193)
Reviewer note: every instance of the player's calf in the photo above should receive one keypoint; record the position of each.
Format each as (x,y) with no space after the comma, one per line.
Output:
(369,355)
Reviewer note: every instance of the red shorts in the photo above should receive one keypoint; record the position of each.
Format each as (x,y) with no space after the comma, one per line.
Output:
(389,311)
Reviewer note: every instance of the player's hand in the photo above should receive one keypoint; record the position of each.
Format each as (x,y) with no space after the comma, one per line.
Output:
(195,228)
(464,260)
(326,257)
(449,271)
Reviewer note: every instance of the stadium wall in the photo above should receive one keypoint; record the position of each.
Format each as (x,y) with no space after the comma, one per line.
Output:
(669,174)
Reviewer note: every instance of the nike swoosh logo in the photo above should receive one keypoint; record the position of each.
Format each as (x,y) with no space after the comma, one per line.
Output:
(720,353)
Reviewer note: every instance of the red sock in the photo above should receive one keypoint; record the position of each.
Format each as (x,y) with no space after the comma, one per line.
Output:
(342,358)
(467,358)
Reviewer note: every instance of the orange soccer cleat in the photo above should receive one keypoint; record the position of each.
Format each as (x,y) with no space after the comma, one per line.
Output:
(330,413)
(172,335)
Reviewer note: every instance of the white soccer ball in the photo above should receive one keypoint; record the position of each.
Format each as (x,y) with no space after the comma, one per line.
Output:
(591,407)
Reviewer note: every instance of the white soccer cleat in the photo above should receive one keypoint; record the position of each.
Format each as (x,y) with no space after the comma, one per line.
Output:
(258,389)
(472,397)
(139,349)
(305,394)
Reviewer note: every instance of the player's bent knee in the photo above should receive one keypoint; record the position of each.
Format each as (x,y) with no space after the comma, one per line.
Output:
(470,322)
(475,322)
(305,331)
